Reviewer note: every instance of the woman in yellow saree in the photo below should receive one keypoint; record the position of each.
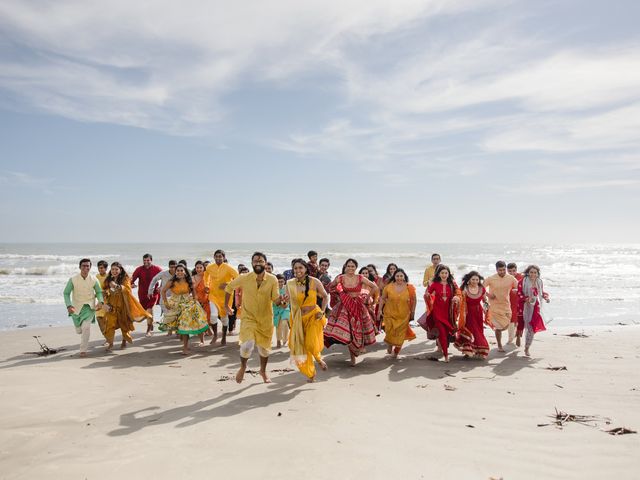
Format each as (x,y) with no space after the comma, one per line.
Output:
(306,339)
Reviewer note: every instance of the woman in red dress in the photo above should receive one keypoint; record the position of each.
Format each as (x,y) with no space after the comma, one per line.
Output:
(350,321)
(470,339)
(443,302)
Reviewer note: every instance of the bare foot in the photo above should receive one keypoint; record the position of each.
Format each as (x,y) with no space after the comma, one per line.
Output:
(279,344)
(526,352)
(148,334)
(213,340)
(500,349)
(185,352)
(123,345)
(109,347)
(394,355)
(353,359)
(200,344)
(223,342)
(517,341)
(265,377)
(311,380)
(323,365)
(446,358)
(389,349)
(240,375)
(83,354)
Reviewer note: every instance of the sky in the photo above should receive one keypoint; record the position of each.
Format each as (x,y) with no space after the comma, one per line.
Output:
(328,121)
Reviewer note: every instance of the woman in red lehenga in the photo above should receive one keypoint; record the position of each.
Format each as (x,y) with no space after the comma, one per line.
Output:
(443,302)
(350,321)
(470,339)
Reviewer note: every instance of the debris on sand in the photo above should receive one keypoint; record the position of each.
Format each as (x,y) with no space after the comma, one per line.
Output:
(44,350)
(449,388)
(620,431)
(424,385)
(224,378)
(577,335)
(561,418)
(556,369)
(282,370)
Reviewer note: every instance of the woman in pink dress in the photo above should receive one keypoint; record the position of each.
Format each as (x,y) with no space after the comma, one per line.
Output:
(470,339)
(350,321)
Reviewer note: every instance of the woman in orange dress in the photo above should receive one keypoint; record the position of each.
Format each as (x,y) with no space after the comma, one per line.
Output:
(201,295)
(121,307)
(399,303)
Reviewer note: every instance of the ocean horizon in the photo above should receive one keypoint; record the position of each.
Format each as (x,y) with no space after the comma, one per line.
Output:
(590,284)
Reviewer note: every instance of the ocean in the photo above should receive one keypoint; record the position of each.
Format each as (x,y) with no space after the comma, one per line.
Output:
(589,284)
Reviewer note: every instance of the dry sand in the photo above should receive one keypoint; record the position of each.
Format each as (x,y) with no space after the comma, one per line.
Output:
(149,412)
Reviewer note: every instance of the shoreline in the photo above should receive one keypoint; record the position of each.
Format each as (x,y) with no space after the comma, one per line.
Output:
(149,411)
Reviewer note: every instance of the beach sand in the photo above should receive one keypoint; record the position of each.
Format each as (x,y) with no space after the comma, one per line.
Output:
(149,412)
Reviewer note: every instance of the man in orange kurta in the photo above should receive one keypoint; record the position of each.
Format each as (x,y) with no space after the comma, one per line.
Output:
(216,277)
(499,287)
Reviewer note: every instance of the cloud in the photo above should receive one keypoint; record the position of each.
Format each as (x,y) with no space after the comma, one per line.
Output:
(25,180)
(165,65)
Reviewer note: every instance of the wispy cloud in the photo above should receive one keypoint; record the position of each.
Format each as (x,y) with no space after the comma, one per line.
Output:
(165,65)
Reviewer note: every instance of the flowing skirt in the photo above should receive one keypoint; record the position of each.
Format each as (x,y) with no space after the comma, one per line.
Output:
(185,315)
(350,324)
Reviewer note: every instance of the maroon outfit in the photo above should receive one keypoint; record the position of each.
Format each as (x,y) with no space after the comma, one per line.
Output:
(144,277)
(470,339)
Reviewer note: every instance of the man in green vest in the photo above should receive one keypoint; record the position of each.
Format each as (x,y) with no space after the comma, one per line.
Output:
(80,296)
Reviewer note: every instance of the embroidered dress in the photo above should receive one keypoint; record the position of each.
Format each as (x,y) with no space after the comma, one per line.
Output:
(184,314)
(440,318)
(470,338)
(350,322)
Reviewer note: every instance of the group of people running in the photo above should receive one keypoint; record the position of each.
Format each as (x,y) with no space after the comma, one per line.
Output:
(306,307)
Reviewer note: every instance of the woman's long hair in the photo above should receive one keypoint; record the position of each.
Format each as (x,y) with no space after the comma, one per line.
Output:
(306,274)
(353,260)
(400,270)
(436,276)
(387,275)
(120,279)
(469,276)
(187,276)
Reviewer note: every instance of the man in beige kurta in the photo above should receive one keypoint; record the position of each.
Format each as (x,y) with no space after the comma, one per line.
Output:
(499,287)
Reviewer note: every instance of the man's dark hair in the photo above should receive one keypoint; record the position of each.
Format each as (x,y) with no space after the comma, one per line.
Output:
(172,263)
(84,260)
(103,263)
(147,255)
(258,254)
(511,265)
(324,260)
(311,253)
(500,264)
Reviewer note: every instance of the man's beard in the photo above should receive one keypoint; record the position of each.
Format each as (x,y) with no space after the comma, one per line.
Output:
(258,269)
